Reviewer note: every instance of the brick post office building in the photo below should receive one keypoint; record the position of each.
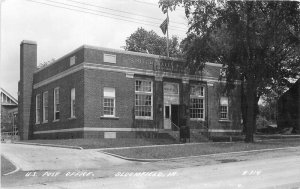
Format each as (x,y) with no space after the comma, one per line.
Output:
(106,93)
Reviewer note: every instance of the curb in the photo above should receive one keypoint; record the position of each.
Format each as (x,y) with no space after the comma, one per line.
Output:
(182,144)
(162,145)
(50,145)
(131,159)
(278,135)
(16,166)
(205,155)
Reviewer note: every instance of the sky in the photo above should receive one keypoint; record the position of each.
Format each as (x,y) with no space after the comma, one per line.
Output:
(58,30)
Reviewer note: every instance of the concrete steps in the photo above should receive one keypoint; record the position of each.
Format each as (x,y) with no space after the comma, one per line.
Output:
(163,133)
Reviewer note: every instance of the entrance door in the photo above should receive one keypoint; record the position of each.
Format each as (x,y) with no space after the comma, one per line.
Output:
(171,98)
(167,117)
(175,115)
(171,115)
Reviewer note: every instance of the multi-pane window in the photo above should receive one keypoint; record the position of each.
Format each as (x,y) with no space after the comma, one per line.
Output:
(56,104)
(45,106)
(197,102)
(224,108)
(143,99)
(109,101)
(37,108)
(73,102)
(197,108)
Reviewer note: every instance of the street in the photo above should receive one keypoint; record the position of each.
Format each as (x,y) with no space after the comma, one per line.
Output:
(271,173)
(50,167)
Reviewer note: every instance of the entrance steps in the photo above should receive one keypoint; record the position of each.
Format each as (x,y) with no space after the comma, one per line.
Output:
(168,133)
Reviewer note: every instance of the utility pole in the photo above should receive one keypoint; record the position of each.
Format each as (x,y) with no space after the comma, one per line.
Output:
(1,1)
(0,44)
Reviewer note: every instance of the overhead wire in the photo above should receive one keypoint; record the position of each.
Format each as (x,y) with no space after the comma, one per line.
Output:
(120,17)
(110,9)
(152,4)
(96,10)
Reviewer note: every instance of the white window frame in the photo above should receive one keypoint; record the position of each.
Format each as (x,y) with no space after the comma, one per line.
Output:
(200,96)
(45,106)
(72,60)
(111,97)
(224,101)
(55,104)
(37,109)
(144,93)
(73,106)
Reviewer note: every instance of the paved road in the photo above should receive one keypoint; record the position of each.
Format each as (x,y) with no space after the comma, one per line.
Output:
(276,173)
(30,157)
(270,169)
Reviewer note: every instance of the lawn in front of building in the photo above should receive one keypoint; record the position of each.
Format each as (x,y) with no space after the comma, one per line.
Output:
(6,166)
(174,151)
(95,143)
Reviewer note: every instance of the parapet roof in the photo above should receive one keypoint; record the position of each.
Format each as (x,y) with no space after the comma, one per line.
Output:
(122,52)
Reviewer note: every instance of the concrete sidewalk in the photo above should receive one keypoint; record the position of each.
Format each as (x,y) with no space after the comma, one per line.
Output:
(31,157)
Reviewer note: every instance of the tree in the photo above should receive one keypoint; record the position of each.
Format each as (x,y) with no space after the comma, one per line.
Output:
(46,63)
(149,42)
(258,41)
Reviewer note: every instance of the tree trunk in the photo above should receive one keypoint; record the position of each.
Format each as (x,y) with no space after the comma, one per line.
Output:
(243,107)
(250,122)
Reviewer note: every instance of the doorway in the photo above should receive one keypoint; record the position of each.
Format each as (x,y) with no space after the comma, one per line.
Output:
(175,116)
(171,115)
(171,103)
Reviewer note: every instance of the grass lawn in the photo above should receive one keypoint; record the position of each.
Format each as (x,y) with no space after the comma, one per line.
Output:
(105,143)
(6,166)
(162,152)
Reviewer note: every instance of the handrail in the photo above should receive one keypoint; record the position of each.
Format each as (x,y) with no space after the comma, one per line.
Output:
(8,133)
(173,124)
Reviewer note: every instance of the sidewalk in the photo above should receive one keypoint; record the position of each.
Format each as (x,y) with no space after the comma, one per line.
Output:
(32,157)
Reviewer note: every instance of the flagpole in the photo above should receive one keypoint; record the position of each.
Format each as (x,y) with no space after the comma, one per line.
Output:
(168,33)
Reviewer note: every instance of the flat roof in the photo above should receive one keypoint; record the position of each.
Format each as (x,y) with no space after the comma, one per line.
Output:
(121,52)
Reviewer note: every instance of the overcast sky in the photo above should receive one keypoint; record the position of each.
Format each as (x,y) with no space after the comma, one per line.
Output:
(58,31)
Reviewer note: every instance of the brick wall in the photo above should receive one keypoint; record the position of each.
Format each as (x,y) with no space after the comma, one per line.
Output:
(65,85)
(60,135)
(89,84)
(28,60)
(234,107)
(94,82)
(59,65)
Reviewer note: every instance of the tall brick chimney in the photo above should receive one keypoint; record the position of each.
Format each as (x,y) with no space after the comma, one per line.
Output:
(28,63)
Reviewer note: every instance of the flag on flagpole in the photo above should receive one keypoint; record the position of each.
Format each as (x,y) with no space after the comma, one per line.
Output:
(164,25)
